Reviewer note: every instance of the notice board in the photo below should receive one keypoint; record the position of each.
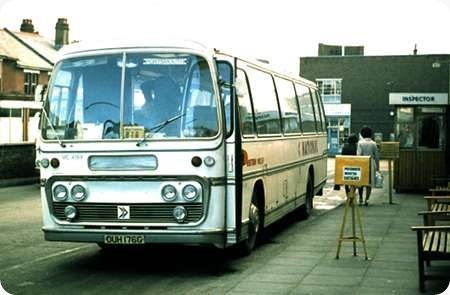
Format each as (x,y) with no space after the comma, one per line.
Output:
(352,170)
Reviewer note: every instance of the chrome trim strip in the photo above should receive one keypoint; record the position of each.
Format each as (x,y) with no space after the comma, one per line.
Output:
(280,168)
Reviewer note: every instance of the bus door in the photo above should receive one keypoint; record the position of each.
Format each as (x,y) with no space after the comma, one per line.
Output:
(233,150)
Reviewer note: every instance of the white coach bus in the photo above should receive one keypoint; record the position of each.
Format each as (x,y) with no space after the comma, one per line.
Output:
(175,143)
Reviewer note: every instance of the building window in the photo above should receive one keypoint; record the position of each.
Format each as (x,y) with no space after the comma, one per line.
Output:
(30,83)
(330,90)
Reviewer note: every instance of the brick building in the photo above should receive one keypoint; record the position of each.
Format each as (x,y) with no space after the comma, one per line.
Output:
(365,82)
(392,95)
(26,61)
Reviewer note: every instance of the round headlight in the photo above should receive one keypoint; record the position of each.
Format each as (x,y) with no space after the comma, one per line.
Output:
(180,214)
(78,193)
(60,193)
(190,192)
(45,163)
(169,193)
(70,212)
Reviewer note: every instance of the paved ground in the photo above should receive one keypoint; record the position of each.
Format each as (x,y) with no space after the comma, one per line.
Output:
(296,257)
(392,265)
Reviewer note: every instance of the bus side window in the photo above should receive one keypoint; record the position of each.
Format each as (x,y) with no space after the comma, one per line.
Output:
(245,106)
(288,105)
(306,108)
(317,111)
(225,82)
(267,114)
(322,112)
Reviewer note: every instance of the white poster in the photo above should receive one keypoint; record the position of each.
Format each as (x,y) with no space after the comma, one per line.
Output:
(352,173)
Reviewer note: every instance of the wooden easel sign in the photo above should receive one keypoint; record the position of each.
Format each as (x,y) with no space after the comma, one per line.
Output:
(352,170)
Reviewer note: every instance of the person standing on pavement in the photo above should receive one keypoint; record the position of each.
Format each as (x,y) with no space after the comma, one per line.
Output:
(368,147)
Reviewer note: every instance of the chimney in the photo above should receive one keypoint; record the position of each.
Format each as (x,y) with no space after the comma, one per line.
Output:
(415,49)
(61,33)
(354,50)
(27,26)
(329,50)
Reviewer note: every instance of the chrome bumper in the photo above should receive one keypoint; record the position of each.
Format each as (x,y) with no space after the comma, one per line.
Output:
(215,237)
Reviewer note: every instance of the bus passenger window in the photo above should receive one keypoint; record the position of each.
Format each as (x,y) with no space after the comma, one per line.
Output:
(316,102)
(225,82)
(306,108)
(267,115)
(245,106)
(322,112)
(288,105)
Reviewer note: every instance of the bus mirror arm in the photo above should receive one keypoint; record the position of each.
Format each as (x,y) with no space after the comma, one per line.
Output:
(225,83)
(40,92)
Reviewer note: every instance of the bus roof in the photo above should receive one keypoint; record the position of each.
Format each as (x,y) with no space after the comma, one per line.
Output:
(90,46)
(269,67)
(117,44)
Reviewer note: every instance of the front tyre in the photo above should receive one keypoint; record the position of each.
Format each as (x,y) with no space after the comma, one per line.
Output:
(254,228)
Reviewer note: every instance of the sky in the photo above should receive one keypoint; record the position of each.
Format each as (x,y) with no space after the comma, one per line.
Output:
(280,31)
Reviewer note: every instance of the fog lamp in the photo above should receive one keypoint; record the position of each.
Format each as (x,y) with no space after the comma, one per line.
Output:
(70,212)
(180,214)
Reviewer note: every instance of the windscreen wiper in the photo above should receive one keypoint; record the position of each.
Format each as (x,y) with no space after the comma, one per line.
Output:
(160,126)
(63,145)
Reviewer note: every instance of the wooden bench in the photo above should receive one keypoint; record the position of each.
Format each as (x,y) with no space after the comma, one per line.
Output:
(438,208)
(433,243)
(440,191)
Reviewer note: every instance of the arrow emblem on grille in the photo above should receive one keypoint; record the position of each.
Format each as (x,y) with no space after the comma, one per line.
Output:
(123,212)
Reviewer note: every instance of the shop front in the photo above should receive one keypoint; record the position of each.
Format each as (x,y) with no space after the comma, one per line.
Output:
(338,117)
(421,128)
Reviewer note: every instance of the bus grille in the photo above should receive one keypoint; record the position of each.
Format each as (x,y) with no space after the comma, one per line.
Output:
(143,213)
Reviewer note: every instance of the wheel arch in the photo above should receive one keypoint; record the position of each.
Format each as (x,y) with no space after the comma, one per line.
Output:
(259,192)
(311,172)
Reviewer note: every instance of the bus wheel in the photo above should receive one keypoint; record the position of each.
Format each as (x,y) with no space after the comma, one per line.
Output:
(254,227)
(306,209)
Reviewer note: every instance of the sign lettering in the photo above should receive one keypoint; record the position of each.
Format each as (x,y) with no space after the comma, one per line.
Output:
(309,147)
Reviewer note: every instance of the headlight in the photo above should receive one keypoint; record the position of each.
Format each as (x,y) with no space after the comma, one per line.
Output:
(78,193)
(60,192)
(190,193)
(169,193)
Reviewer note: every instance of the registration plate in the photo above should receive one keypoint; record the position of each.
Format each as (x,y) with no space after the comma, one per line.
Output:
(124,239)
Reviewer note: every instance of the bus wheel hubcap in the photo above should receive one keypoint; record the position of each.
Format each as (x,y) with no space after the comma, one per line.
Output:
(254,219)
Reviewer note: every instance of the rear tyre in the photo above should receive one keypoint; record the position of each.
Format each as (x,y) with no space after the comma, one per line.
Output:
(306,209)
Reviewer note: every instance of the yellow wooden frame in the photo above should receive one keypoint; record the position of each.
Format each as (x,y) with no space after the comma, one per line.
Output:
(352,170)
